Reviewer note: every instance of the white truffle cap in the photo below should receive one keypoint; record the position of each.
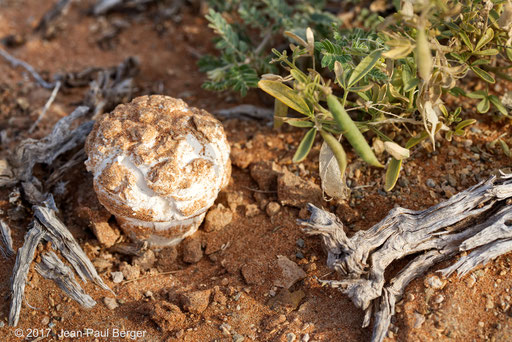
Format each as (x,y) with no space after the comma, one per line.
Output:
(158,163)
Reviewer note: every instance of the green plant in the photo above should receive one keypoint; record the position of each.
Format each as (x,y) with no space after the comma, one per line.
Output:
(245,31)
(396,77)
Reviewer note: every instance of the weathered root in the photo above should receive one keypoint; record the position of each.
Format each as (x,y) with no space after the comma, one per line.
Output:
(477,219)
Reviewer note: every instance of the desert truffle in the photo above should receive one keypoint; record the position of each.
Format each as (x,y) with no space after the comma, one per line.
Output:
(158,166)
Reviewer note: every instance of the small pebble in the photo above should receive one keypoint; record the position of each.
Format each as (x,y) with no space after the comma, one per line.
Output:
(2,324)
(439,299)
(44,321)
(110,303)
(430,183)
(305,338)
(117,277)
(290,337)
(238,338)
(300,243)
(299,255)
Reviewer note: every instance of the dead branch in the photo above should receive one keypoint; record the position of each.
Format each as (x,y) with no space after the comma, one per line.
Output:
(51,267)
(64,241)
(17,62)
(104,6)
(52,14)
(5,236)
(46,106)
(249,111)
(477,219)
(21,267)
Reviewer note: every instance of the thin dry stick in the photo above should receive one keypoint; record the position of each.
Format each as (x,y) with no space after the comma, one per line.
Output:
(16,62)
(46,106)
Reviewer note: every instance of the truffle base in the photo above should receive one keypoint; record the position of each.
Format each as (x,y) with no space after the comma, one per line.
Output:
(160,234)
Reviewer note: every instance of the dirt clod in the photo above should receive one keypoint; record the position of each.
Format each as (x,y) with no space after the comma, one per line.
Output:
(265,173)
(192,251)
(295,191)
(195,302)
(217,218)
(272,208)
(166,315)
(289,273)
(129,272)
(110,303)
(252,210)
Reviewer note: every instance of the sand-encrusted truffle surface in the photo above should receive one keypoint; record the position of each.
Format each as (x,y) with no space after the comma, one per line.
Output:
(157,160)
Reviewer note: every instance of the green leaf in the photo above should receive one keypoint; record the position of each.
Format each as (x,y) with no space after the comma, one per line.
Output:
(351,132)
(456,91)
(505,148)
(499,106)
(364,67)
(483,106)
(301,123)
(486,38)
(488,52)
(466,39)
(463,124)
(280,112)
(480,62)
(392,174)
(508,51)
(305,146)
(416,139)
(483,74)
(286,95)
(337,150)
(479,94)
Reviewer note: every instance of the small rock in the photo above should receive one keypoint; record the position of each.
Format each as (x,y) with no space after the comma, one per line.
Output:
(110,303)
(225,328)
(117,277)
(219,297)
(251,210)
(489,304)
(470,281)
(434,282)
(265,173)
(146,260)
(305,338)
(98,222)
(129,272)
(238,338)
(241,158)
(295,191)
(166,315)
(195,302)
(430,183)
(299,255)
(217,218)
(419,319)
(234,199)
(287,299)
(273,208)
(300,243)
(310,267)
(438,299)
(451,180)
(192,251)
(44,321)
(290,337)
(290,272)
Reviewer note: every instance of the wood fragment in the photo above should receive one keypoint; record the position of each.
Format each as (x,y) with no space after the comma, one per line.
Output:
(244,111)
(52,14)
(46,106)
(21,267)
(5,235)
(64,241)
(15,62)
(51,267)
(62,139)
(476,219)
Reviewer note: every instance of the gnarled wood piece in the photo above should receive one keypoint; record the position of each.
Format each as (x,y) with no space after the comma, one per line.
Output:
(51,267)
(5,236)
(21,267)
(477,219)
